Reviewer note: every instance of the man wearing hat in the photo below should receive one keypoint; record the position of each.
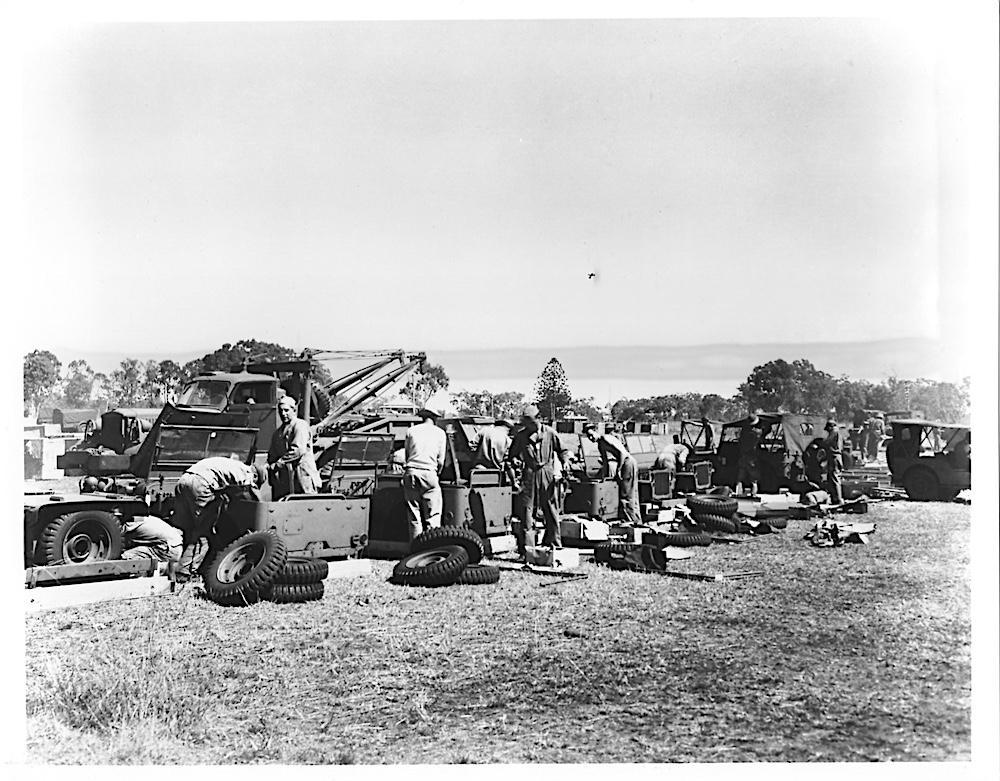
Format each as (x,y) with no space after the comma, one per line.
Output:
(202,495)
(749,439)
(425,449)
(535,447)
(290,459)
(834,445)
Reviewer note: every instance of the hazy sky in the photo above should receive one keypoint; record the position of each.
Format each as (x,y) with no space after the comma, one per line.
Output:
(443,185)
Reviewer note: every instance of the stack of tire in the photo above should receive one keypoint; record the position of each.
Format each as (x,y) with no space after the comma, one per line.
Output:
(256,567)
(714,513)
(445,556)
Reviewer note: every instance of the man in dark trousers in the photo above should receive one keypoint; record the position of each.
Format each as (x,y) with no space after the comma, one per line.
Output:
(535,448)
(290,459)
(610,447)
(202,495)
(833,443)
(749,439)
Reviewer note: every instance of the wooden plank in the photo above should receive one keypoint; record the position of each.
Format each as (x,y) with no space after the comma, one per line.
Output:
(349,568)
(63,573)
(713,577)
(55,597)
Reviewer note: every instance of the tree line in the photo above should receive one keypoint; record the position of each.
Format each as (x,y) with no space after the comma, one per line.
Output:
(775,386)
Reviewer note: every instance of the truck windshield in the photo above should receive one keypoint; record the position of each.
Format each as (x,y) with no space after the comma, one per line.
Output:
(188,445)
(205,393)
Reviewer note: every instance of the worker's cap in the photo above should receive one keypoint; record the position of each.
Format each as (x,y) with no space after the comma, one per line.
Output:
(260,474)
(427,412)
(753,419)
(531,411)
(880,415)
(590,427)
(831,423)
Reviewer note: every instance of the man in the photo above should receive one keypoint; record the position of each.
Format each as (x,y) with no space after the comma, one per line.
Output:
(290,461)
(494,442)
(202,495)
(425,447)
(149,537)
(610,447)
(876,430)
(535,448)
(749,439)
(709,433)
(670,459)
(834,445)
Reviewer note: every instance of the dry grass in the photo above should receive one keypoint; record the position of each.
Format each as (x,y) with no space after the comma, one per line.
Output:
(850,654)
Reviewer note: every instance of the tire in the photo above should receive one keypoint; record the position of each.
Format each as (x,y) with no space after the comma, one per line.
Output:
(245,568)
(450,535)
(478,575)
(439,566)
(687,539)
(618,564)
(717,523)
(320,404)
(605,550)
(78,538)
(292,593)
(921,484)
(299,570)
(719,506)
(778,522)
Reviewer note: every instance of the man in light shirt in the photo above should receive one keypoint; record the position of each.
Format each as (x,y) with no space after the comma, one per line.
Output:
(149,537)
(425,447)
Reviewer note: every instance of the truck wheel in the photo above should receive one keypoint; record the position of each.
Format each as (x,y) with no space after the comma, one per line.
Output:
(245,568)
(921,484)
(291,593)
(716,523)
(299,570)
(478,575)
(440,566)
(719,506)
(450,535)
(687,539)
(79,538)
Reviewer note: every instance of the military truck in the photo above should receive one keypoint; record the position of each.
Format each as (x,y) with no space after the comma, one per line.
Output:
(930,460)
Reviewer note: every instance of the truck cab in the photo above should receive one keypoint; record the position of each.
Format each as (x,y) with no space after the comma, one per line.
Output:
(930,460)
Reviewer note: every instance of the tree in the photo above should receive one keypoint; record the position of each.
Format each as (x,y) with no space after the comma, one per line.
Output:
(587,408)
(247,351)
(128,384)
(41,373)
(507,404)
(552,394)
(78,387)
(424,383)
(797,387)
(162,379)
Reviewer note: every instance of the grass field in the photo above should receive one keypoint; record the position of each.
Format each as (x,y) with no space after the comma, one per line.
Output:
(856,653)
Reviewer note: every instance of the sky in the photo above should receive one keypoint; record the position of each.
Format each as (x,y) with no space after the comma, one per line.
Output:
(475,185)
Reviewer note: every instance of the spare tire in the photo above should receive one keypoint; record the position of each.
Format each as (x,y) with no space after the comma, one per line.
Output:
(687,539)
(776,522)
(299,570)
(80,538)
(478,575)
(717,523)
(290,593)
(439,536)
(439,566)
(719,506)
(245,568)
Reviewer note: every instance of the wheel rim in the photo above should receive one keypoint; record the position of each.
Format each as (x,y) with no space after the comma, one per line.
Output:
(238,562)
(86,541)
(427,558)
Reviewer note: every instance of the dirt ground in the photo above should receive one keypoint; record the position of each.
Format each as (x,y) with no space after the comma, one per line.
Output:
(858,653)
